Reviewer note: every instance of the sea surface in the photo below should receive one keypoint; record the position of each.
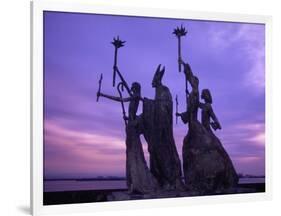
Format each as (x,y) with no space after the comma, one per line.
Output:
(78,185)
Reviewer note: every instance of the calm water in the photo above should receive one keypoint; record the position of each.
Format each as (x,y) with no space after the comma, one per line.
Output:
(73,185)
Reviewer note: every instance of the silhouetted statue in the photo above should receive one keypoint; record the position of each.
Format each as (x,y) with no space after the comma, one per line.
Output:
(190,116)
(206,165)
(158,131)
(207,112)
(139,178)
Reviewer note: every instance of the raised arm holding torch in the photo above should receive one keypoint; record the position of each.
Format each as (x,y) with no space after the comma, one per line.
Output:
(117,44)
(125,84)
(179,32)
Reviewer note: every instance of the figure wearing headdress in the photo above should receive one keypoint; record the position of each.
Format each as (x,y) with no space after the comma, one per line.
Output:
(158,131)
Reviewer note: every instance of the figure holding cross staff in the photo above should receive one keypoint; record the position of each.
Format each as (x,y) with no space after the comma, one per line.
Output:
(121,85)
(139,178)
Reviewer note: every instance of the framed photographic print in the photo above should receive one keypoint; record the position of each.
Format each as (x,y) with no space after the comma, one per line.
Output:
(139,107)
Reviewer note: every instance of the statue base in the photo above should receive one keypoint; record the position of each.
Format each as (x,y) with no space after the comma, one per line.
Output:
(206,165)
(125,195)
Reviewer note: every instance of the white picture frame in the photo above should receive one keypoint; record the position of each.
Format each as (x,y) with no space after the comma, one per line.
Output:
(37,8)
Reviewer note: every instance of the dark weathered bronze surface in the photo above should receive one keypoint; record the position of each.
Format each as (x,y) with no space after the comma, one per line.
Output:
(206,165)
(158,131)
(207,168)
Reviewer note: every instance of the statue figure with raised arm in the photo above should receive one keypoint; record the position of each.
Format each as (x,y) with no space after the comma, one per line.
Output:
(206,165)
(139,178)
(190,116)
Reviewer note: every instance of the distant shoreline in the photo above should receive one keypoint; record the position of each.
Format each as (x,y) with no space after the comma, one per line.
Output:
(60,185)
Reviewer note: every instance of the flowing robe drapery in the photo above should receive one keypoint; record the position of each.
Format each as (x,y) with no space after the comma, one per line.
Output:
(158,132)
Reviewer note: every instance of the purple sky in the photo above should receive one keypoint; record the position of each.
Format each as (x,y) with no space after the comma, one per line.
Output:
(84,138)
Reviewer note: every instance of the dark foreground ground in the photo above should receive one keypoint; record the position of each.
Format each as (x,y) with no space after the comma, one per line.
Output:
(69,197)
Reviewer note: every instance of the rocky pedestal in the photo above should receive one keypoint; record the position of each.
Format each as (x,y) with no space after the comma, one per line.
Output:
(206,165)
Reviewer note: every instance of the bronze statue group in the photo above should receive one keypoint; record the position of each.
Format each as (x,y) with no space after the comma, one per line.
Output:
(207,168)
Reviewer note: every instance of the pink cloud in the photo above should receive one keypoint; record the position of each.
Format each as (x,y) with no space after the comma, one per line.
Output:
(69,151)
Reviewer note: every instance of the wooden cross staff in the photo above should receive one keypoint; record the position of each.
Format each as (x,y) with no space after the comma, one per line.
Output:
(177,104)
(119,89)
(100,81)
